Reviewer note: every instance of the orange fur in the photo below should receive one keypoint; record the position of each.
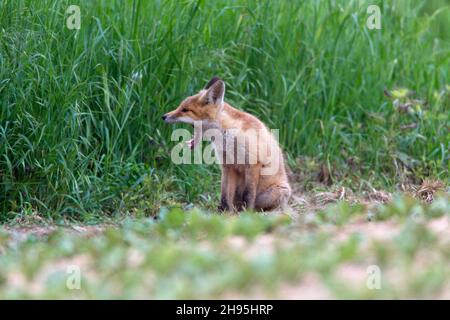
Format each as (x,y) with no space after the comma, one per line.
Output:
(261,184)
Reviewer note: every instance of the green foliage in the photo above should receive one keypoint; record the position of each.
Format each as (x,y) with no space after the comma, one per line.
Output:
(194,255)
(80,110)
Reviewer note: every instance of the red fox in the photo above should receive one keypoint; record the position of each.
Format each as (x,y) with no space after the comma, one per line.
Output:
(255,177)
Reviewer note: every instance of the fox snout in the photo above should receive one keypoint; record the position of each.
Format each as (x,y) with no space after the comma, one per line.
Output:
(168,118)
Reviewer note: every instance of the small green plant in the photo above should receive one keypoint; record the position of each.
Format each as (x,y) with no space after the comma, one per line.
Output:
(194,254)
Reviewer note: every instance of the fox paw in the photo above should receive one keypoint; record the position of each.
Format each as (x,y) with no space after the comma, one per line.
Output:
(190,143)
(224,208)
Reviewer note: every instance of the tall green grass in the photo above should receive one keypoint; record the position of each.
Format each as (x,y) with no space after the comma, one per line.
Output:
(80,113)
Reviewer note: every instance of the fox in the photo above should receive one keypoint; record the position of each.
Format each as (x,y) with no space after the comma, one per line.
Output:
(253,173)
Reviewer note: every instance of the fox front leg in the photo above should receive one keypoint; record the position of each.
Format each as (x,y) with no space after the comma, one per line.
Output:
(223,206)
(228,190)
(252,174)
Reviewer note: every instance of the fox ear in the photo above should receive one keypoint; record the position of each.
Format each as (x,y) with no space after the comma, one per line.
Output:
(216,92)
(211,82)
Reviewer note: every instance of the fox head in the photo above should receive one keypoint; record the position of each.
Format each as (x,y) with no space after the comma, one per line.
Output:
(204,106)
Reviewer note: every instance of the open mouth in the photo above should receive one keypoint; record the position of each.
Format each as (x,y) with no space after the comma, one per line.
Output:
(168,119)
(171,119)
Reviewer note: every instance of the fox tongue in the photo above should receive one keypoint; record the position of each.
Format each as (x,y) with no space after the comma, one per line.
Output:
(196,139)
(192,143)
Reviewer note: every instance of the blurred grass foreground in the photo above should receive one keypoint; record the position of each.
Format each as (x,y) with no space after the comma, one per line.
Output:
(402,253)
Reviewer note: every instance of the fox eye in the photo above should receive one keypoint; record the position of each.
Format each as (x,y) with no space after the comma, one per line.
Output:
(184,110)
